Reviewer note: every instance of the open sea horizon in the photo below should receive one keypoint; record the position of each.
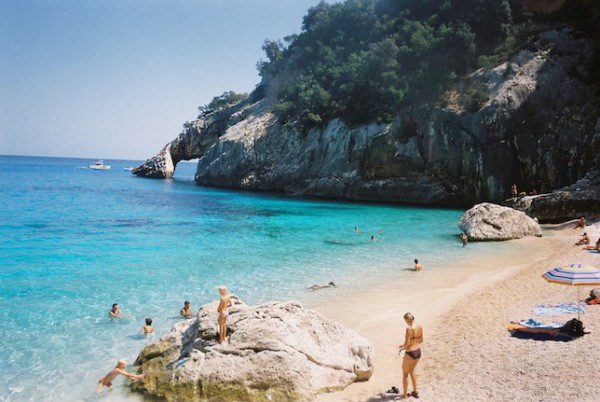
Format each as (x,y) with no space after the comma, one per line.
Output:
(74,240)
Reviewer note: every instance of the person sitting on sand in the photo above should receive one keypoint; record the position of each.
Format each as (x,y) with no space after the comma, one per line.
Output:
(119,369)
(580,223)
(412,347)
(418,265)
(115,312)
(186,310)
(596,247)
(584,240)
(318,287)
(223,311)
(464,239)
(147,329)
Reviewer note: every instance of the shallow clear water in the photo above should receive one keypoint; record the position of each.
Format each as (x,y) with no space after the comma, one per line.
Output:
(74,240)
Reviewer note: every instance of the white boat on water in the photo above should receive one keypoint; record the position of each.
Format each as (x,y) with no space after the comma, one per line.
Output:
(99,165)
(129,168)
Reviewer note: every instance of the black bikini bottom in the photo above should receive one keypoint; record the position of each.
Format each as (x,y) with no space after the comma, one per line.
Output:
(415,354)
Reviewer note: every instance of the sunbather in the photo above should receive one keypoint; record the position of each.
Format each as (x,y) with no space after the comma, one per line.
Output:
(596,247)
(584,240)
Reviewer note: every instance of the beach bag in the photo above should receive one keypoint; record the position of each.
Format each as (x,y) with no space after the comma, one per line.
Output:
(573,327)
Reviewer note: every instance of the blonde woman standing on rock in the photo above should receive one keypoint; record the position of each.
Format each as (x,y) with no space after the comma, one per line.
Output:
(223,311)
(412,347)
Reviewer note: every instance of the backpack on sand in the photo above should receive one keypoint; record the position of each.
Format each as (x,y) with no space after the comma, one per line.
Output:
(574,328)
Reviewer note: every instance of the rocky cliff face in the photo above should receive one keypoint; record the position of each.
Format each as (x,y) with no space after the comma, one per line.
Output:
(540,128)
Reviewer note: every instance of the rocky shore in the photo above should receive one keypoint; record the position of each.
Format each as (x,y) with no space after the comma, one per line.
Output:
(276,351)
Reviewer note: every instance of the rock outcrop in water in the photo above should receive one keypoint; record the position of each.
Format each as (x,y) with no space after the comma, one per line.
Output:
(494,222)
(539,127)
(277,351)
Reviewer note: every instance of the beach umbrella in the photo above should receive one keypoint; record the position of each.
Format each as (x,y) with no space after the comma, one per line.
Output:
(574,275)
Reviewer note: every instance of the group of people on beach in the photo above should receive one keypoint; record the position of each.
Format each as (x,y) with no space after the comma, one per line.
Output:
(585,239)
(186,312)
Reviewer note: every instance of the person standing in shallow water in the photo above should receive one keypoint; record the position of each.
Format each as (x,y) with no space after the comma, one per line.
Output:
(115,312)
(186,310)
(223,311)
(412,347)
(464,239)
(418,265)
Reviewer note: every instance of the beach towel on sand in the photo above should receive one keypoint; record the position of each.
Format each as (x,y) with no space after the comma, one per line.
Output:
(559,309)
(532,323)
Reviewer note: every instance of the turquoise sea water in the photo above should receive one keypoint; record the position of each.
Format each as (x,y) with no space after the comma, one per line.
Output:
(74,240)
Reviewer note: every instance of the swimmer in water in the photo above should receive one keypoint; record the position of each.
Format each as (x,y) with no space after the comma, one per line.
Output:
(355,229)
(464,239)
(379,232)
(119,369)
(186,310)
(147,329)
(318,287)
(418,265)
(115,312)
(372,237)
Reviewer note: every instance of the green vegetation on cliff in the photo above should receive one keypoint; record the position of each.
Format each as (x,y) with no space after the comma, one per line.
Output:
(366,60)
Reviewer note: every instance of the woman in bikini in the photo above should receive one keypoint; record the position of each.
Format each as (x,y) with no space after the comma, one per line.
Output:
(412,348)
(223,311)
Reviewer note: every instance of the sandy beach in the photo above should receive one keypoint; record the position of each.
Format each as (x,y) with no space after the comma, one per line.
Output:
(468,354)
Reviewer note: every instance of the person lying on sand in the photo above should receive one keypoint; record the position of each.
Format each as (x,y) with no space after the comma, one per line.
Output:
(186,310)
(318,287)
(584,240)
(147,329)
(119,369)
(464,239)
(580,223)
(418,265)
(115,312)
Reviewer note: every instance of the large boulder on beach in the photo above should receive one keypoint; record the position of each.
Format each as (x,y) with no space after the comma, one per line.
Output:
(494,222)
(277,351)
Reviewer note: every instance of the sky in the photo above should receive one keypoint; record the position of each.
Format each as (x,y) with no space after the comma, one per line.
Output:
(118,78)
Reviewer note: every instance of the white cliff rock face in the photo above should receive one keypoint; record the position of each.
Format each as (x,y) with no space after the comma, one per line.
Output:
(494,222)
(277,351)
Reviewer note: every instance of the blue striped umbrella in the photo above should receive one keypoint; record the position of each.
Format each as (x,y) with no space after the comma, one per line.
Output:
(574,275)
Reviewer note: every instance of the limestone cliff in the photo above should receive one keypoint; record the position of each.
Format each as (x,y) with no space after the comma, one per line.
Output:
(539,127)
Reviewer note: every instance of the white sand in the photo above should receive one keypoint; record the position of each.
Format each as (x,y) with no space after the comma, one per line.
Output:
(468,353)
